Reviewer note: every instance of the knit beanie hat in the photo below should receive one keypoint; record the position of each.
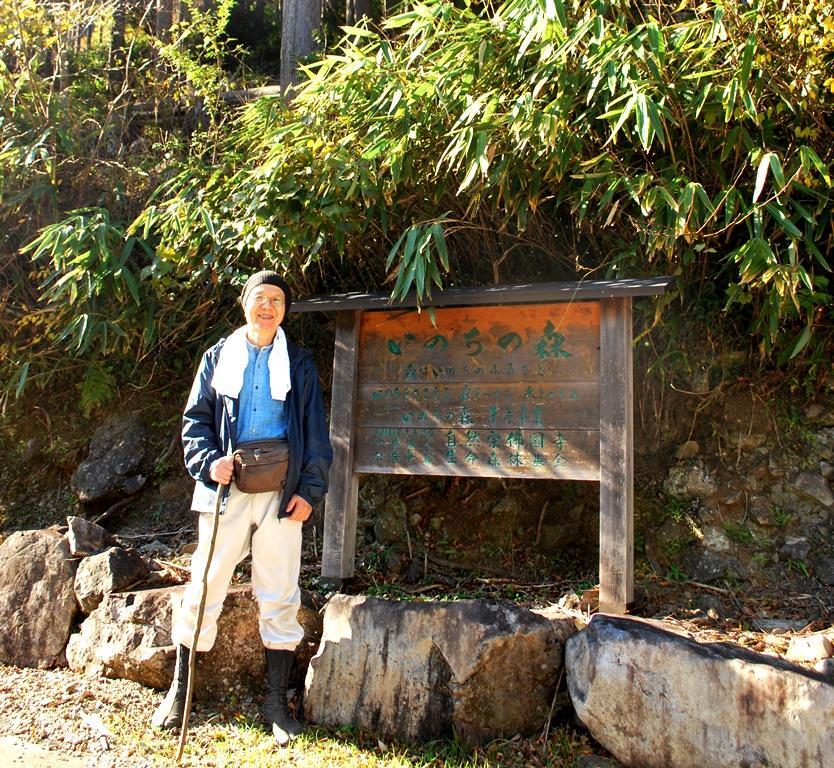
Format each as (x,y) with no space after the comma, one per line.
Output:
(267,277)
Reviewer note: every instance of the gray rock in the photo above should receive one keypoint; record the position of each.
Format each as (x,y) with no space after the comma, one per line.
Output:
(133,485)
(800,507)
(814,486)
(716,540)
(156,548)
(708,565)
(795,548)
(422,671)
(823,442)
(779,626)
(86,538)
(113,570)
(37,604)
(110,471)
(129,636)
(655,699)
(824,570)
(690,481)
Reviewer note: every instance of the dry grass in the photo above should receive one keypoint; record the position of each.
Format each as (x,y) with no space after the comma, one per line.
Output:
(241,742)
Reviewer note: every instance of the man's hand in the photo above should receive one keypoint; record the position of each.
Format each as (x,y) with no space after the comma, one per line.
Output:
(299,509)
(222,469)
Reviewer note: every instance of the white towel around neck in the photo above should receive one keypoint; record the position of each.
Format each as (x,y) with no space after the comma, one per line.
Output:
(234,357)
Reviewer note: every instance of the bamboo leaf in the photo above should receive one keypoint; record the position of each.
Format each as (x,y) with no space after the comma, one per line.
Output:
(624,115)
(778,213)
(776,170)
(809,158)
(761,175)
(800,342)
(645,130)
(440,243)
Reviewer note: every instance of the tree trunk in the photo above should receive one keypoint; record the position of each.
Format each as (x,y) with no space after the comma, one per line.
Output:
(117,48)
(355,10)
(300,20)
(164,19)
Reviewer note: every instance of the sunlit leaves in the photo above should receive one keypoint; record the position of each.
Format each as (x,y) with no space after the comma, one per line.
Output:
(674,134)
(90,283)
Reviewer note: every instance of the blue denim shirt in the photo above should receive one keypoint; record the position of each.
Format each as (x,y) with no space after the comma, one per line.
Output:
(260,417)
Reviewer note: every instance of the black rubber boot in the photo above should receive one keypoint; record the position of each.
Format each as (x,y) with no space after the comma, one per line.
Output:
(275,710)
(169,714)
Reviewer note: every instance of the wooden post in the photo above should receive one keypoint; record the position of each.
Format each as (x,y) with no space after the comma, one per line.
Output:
(616,455)
(342,496)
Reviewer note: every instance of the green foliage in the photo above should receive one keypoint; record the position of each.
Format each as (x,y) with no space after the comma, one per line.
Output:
(780,516)
(198,49)
(739,533)
(97,387)
(69,90)
(533,140)
(90,284)
(456,136)
(676,574)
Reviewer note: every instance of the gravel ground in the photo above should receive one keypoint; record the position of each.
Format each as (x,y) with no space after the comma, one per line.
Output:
(72,717)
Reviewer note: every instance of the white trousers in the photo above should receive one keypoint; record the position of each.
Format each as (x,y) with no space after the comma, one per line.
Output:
(250,520)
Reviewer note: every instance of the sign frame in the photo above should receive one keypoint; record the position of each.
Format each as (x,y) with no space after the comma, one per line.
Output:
(616,413)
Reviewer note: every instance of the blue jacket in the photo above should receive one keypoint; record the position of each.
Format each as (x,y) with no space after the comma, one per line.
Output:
(209,426)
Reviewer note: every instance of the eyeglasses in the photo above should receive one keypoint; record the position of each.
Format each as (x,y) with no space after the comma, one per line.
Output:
(266,301)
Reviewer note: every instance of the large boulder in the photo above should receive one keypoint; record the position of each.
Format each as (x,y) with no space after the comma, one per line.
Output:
(111,470)
(656,699)
(113,570)
(37,603)
(129,636)
(422,671)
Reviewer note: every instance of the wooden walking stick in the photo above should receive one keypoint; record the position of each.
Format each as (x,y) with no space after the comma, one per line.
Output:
(192,658)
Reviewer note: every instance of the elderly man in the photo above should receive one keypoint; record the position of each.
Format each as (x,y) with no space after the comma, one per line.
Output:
(252,386)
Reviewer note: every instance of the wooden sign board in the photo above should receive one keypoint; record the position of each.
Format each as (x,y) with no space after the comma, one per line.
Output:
(526,381)
(485,391)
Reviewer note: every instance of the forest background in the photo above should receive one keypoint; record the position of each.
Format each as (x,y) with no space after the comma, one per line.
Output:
(438,144)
